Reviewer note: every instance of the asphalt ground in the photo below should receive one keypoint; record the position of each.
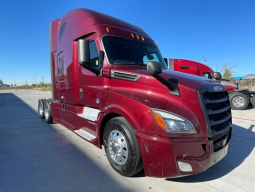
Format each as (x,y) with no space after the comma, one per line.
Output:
(38,157)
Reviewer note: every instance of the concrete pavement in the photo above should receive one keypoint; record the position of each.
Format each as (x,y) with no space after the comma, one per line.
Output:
(36,156)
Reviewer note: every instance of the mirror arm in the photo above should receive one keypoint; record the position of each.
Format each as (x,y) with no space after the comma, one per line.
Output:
(174,89)
(101,61)
(165,59)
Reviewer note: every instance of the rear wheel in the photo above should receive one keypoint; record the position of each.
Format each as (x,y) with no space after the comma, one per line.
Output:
(41,108)
(121,147)
(47,111)
(252,100)
(238,101)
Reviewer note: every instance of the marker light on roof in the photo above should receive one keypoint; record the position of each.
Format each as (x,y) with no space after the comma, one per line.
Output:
(137,36)
(132,35)
(107,29)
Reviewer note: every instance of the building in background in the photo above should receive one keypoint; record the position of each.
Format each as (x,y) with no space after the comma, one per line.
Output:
(3,85)
(250,76)
(238,78)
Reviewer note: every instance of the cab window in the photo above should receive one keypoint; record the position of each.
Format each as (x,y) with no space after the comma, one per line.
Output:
(94,57)
(207,75)
(61,31)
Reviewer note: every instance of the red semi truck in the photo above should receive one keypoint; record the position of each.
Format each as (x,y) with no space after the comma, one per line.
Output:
(239,98)
(199,69)
(112,87)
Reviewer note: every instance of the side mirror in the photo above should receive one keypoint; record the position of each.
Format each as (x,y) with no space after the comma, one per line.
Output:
(217,76)
(154,67)
(83,52)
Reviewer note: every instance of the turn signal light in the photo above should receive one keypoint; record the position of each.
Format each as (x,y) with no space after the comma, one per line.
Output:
(159,120)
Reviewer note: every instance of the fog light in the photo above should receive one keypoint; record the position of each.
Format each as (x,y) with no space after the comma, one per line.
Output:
(184,167)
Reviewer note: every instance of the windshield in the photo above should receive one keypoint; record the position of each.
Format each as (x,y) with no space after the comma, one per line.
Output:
(122,51)
(207,75)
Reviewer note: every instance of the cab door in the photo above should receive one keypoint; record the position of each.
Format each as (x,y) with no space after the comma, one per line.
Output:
(92,96)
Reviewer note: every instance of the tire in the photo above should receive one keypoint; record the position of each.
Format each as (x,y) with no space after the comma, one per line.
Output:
(47,111)
(238,101)
(121,147)
(252,100)
(41,108)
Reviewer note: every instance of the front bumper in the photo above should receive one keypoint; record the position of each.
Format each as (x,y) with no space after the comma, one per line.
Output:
(161,155)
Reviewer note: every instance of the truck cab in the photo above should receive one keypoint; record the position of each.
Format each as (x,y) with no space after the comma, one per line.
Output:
(239,98)
(112,87)
(191,67)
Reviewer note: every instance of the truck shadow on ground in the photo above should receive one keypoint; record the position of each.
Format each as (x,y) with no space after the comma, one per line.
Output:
(250,107)
(35,157)
(242,144)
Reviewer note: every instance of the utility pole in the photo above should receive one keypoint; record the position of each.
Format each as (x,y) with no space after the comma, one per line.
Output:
(205,59)
(42,81)
(15,84)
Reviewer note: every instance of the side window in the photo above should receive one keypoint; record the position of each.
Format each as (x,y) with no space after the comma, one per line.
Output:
(60,67)
(207,75)
(61,31)
(94,58)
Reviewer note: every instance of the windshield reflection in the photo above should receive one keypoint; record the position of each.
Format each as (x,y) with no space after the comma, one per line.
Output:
(122,51)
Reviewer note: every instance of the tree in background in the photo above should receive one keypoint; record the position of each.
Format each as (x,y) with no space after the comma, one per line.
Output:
(227,72)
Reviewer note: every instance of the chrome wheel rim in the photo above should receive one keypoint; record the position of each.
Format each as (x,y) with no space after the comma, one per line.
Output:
(46,111)
(238,101)
(117,147)
(40,109)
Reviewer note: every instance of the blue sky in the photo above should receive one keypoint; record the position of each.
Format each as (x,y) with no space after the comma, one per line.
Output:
(221,30)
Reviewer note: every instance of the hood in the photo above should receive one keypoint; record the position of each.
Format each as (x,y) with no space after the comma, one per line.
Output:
(182,80)
(153,94)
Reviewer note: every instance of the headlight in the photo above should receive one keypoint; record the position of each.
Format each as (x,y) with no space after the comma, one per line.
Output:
(172,123)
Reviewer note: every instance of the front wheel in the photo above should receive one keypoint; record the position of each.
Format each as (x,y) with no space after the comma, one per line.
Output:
(121,147)
(238,101)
